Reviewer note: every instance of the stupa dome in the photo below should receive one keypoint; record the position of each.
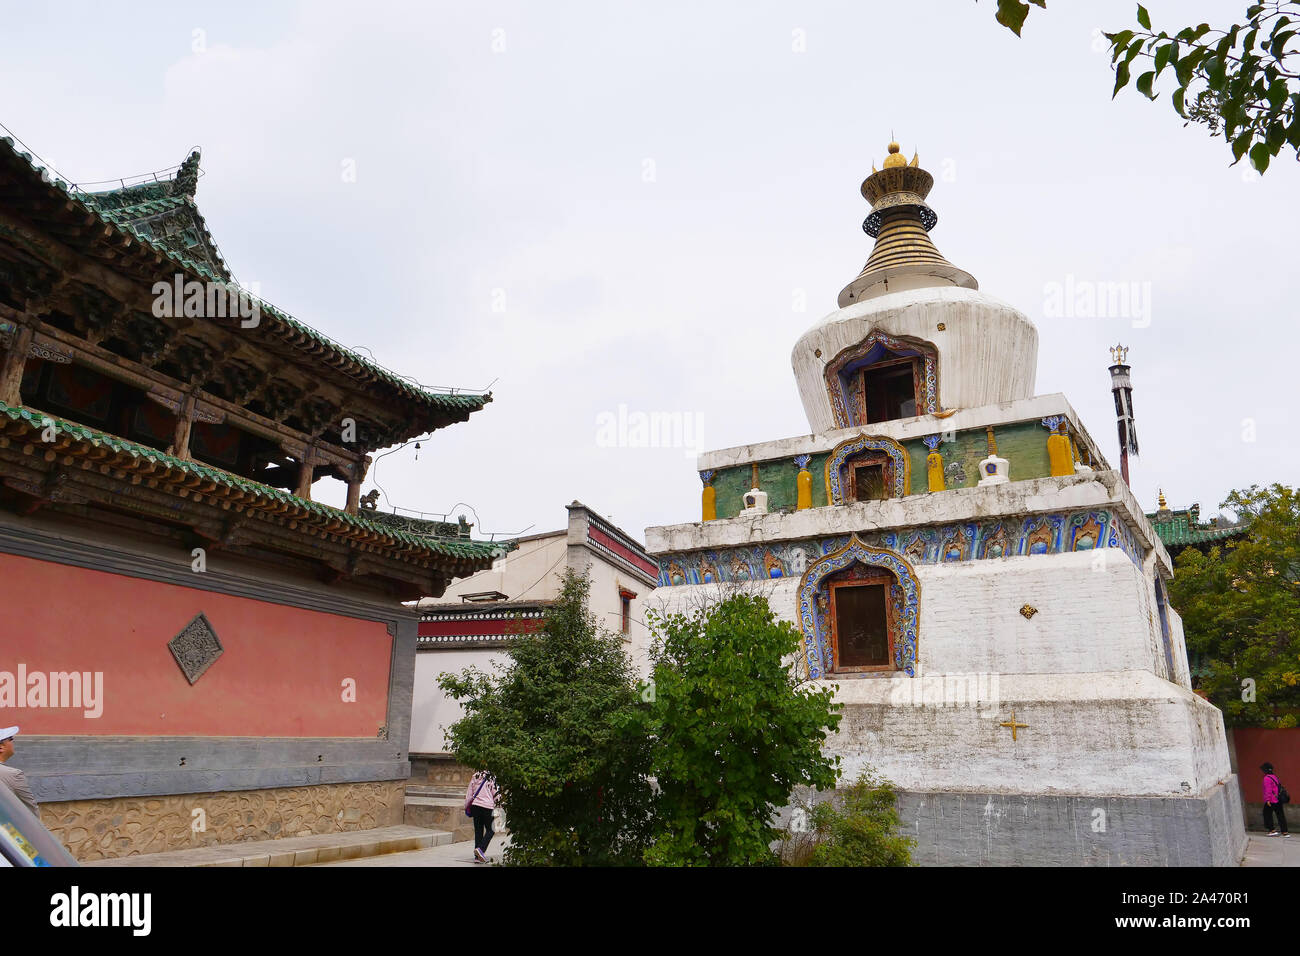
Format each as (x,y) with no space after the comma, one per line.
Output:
(911,307)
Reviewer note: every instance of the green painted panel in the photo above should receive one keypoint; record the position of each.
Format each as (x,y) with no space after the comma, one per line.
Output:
(777,478)
(730,484)
(818,469)
(1024,445)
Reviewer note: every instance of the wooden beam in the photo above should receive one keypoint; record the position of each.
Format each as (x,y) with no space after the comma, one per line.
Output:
(124,370)
(184,423)
(15,363)
(306,471)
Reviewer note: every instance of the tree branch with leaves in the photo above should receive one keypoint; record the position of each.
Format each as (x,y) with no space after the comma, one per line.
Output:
(1240,82)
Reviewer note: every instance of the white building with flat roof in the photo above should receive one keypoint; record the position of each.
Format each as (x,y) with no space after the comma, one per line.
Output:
(472,622)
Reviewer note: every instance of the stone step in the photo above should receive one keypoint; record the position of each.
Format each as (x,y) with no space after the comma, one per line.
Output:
(296,851)
(439,813)
(426,790)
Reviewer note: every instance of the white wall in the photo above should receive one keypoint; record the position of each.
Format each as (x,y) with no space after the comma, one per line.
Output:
(431,709)
(1088,620)
(606,579)
(1085,673)
(528,572)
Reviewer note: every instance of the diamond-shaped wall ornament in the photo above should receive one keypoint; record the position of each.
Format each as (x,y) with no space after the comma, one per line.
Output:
(196,648)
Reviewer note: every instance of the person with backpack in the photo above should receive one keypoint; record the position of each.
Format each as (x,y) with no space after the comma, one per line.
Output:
(480,803)
(1275,796)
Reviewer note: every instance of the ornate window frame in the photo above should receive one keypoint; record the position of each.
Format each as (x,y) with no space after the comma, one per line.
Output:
(877,577)
(845,409)
(814,617)
(837,485)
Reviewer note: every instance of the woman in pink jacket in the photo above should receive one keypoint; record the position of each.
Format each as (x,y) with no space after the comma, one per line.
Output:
(480,802)
(1272,806)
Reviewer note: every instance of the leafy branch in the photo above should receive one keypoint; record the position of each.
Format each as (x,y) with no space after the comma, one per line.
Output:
(1240,82)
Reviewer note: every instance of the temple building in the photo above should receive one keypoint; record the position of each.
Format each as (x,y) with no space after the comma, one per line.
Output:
(1181,528)
(472,623)
(980,587)
(195,650)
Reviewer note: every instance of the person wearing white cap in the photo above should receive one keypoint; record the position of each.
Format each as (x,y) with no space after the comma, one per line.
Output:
(12,777)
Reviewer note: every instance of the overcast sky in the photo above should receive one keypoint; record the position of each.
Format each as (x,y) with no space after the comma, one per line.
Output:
(590,206)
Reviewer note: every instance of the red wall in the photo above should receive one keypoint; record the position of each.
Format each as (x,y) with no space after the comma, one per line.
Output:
(1254,746)
(484,627)
(281,674)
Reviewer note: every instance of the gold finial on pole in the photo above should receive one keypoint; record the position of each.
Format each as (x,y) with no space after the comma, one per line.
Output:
(993,443)
(1118,354)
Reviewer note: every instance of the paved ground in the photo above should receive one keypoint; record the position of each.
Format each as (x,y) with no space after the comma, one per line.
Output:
(1264,850)
(293,851)
(450,854)
(1261,850)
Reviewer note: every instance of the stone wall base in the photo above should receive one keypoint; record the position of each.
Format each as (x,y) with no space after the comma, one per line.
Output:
(128,826)
(982,829)
(439,770)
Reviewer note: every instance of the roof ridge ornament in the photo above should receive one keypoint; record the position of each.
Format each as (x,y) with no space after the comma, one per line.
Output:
(186,181)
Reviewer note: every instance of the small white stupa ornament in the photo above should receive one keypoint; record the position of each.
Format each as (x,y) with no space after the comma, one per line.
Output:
(993,470)
(755,503)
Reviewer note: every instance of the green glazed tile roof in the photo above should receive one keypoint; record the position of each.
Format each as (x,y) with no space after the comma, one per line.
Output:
(116,218)
(451,547)
(1176,529)
(164,211)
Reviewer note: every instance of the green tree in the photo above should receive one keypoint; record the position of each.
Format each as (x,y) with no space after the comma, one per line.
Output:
(735,733)
(858,826)
(562,728)
(1240,606)
(1239,82)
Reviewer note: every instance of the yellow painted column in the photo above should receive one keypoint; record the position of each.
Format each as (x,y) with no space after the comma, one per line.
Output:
(803,483)
(933,464)
(709,498)
(1060,454)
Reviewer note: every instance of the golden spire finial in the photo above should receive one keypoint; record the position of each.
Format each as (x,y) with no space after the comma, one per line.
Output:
(899,222)
(1163,505)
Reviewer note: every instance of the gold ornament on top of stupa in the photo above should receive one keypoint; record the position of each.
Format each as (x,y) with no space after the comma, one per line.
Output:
(1161,504)
(900,222)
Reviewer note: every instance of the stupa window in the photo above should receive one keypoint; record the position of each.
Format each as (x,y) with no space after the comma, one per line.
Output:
(861,623)
(871,477)
(867,480)
(889,390)
(882,379)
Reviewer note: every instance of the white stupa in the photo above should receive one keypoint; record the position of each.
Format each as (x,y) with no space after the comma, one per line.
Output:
(977,581)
